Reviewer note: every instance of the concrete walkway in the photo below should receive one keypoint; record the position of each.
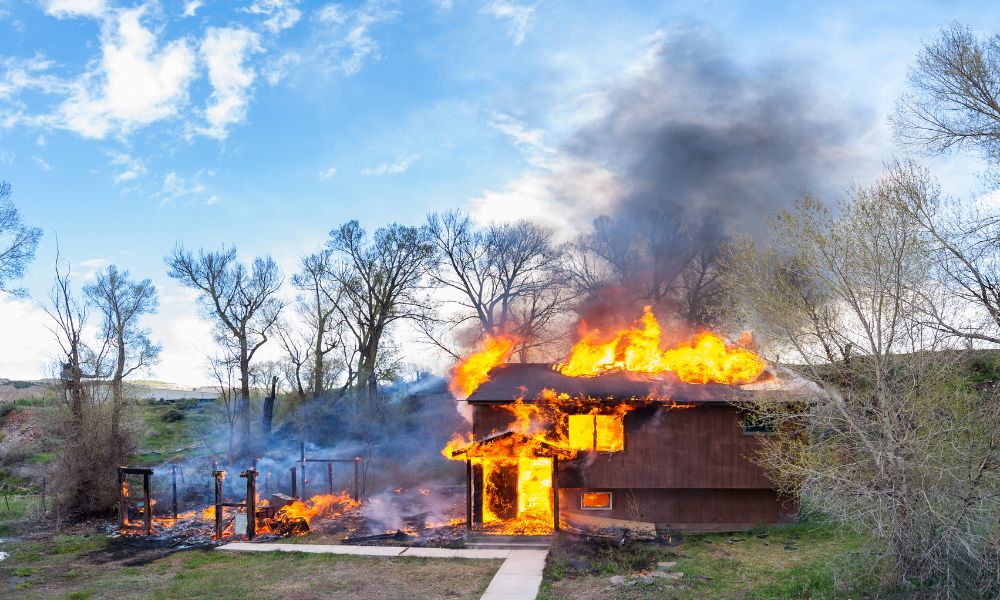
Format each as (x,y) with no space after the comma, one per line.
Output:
(519,576)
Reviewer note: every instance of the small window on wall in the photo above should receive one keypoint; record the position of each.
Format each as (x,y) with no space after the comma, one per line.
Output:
(595,501)
(757,424)
(604,433)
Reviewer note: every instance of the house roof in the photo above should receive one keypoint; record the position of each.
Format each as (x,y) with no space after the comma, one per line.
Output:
(511,381)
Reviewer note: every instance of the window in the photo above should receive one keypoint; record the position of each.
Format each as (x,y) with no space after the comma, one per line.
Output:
(595,501)
(604,433)
(757,424)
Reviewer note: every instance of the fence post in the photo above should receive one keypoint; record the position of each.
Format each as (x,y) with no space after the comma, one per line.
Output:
(173,481)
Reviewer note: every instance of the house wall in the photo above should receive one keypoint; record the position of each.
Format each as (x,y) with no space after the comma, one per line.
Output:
(700,447)
(685,509)
(680,469)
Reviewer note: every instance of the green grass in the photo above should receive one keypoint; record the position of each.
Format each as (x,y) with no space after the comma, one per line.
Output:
(12,510)
(167,440)
(810,560)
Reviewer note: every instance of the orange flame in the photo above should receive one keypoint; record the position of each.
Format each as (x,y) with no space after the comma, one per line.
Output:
(326,505)
(517,473)
(707,358)
(474,369)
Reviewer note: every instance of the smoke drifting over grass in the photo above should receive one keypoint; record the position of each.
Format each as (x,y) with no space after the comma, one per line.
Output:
(693,128)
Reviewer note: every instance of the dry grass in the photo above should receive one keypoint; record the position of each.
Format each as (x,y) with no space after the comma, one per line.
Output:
(81,568)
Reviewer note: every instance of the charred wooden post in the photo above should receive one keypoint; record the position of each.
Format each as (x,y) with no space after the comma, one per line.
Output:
(218,475)
(267,484)
(329,477)
(147,508)
(173,483)
(125,500)
(294,491)
(302,464)
(251,502)
(357,478)
(468,494)
(122,498)
(555,493)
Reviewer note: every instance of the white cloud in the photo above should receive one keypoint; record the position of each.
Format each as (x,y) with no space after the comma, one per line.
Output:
(91,266)
(75,8)
(400,165)
(567,194)
(278,69)
(134,84)
(332,13)
(41,163)
(353,44)
(328,172)
(281,14)
(177,187)
(519,16)
(6,157)
(40,140)
(191,7)
(24,321)
(225,50)
(531,141)
(446,4)
(28,74)
(126,167)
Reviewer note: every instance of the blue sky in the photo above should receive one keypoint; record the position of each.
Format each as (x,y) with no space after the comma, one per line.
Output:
(127,127)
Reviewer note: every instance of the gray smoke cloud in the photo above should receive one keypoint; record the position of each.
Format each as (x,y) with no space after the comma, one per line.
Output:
(697,130)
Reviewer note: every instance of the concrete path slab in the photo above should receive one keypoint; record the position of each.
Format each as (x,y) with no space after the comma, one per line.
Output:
(518,578)
(455,553)
(314,548)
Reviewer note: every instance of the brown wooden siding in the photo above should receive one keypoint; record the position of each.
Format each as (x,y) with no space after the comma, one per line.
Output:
(685,507)
(693,448)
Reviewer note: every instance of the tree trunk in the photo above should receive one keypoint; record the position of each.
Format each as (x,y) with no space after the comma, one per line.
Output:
(243,404)
(267,413)
(317,384)
(118,402)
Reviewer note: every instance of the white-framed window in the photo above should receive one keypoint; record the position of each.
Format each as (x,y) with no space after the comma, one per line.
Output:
(591,500)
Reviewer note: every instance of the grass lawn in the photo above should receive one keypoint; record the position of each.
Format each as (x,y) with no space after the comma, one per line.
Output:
(168,439)
(94,567)
(12,510)
(808,560)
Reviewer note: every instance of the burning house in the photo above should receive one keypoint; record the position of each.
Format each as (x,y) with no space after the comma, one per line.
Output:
(621,433)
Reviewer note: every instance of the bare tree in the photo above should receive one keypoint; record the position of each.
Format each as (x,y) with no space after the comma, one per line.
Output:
(224,370)
(893,441)
(658,258)
(243,303)
(961,239)
(954,100)
(17,241)
(79,361)
(380,281)
(506,275)
(317,304)
(84,457)
(122,303)
(298,358)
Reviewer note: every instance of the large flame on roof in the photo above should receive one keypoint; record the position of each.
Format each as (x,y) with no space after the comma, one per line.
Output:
(705,359)
(474,369)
